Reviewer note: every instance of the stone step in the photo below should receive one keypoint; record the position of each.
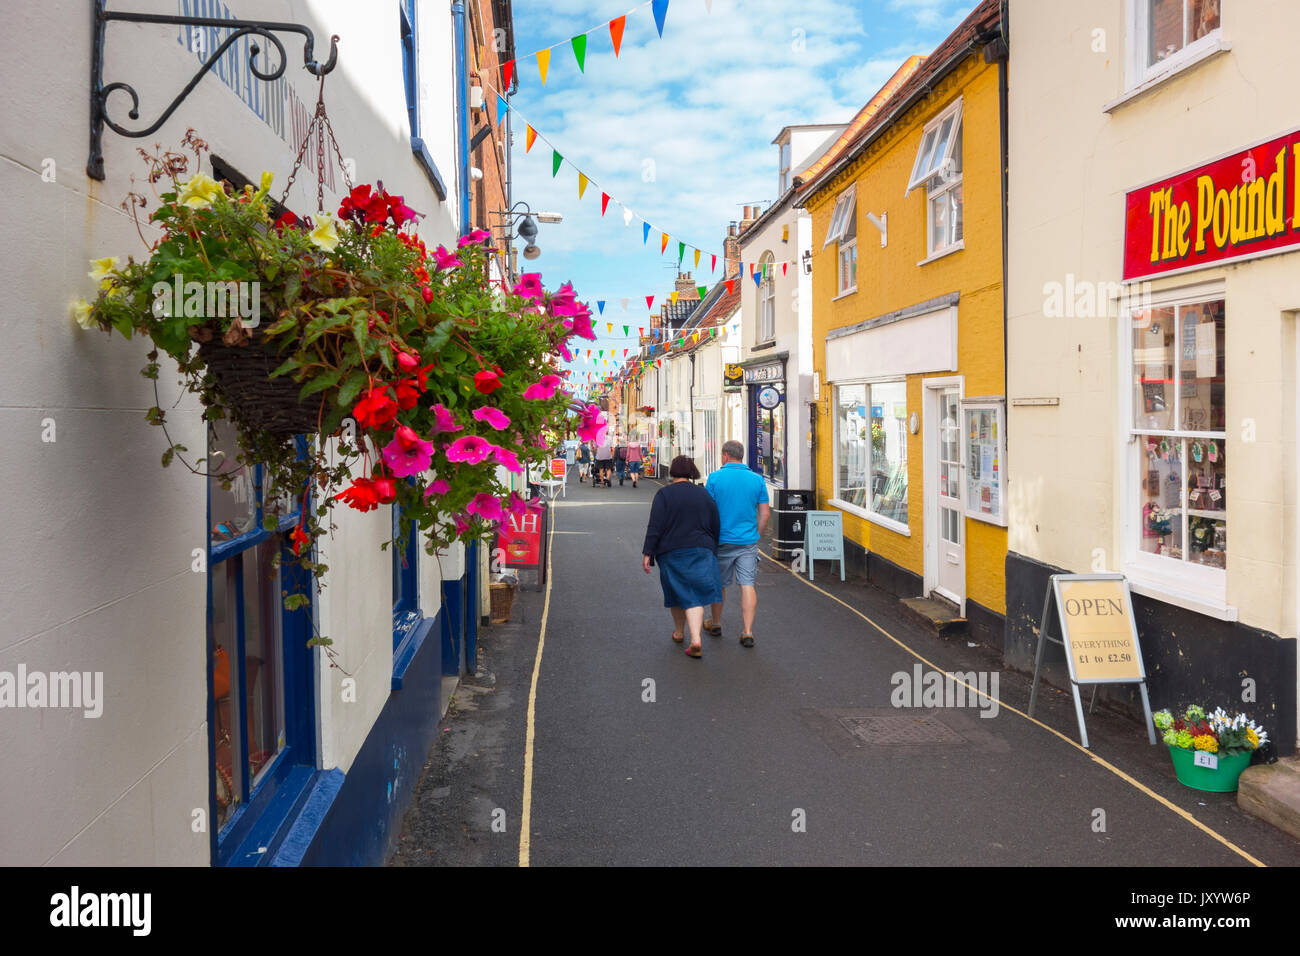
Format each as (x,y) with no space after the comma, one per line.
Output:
(942,617)
(1271,791)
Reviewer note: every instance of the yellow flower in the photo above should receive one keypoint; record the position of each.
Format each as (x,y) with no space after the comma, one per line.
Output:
(325,235)
(100,268)
(266,183)
(1207,743)
(1252,737)
(81,311)
(199,191)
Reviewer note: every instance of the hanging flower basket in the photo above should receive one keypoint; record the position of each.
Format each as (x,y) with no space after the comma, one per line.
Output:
(438,383)
(256,401)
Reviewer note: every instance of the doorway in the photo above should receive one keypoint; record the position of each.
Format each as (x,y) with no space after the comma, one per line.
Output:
(945,513)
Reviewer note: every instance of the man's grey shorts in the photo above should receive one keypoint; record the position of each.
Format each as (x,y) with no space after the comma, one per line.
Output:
(739,561)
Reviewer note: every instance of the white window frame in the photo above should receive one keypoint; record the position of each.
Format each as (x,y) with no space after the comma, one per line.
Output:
(785,151)
(1140,72)
(846,205)
(767,299)
(866,513)
(1193,586)
(930,164)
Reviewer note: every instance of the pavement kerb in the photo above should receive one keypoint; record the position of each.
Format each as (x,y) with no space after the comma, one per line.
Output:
(1136,784)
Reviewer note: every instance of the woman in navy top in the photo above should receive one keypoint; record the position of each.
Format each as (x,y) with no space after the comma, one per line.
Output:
(682,538)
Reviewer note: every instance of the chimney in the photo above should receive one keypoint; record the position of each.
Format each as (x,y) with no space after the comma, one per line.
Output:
(685,286)
(731,250)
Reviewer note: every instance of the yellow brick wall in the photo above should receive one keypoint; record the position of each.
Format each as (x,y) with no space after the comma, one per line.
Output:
(890,279)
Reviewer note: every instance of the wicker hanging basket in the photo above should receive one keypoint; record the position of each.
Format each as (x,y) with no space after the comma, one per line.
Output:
(254,399)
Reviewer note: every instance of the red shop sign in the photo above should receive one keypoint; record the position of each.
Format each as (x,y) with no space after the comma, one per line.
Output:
(1233,208)
(521,537)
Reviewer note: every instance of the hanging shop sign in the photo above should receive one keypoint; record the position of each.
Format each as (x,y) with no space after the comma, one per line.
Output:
(1099,633)
(774,372)
(769,397)
(1237,207)
(733,373)
(521,537)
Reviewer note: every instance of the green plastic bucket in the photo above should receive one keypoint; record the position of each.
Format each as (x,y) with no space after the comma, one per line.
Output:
(1222,779)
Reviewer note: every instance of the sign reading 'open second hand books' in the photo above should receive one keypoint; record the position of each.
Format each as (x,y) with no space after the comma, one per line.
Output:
(823,538)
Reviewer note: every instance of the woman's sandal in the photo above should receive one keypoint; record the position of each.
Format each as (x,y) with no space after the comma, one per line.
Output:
(714,629)
(747,640)
(678,638)
(695,651)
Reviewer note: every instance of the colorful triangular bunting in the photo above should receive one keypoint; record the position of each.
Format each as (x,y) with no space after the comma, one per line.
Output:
(579,44)
(660,10)
(543,63)
(616,32)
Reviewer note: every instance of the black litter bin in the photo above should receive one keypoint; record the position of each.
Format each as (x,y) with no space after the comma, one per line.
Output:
(791,506)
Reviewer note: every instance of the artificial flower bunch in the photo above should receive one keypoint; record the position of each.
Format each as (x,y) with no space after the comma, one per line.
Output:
(437,382)
(1216,732)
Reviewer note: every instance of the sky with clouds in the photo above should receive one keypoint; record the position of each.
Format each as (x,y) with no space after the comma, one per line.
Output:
(680,129)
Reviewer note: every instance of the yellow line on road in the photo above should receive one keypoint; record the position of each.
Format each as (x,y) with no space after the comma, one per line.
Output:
(1077,746)
(525,819)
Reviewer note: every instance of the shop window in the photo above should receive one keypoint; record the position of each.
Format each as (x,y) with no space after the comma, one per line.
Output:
(260,660)
(767,300)
(1172,30)
(871,448)
(1178,433)
(938,167)
(768,411)
(844,231)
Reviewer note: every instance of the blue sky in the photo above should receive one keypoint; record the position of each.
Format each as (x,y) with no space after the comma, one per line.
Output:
(679,129)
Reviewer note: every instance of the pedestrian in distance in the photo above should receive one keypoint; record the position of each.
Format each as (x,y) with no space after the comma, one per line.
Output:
(682,538)
(635,459)
(620,458)
(741,496)
(604,461)
(584,461)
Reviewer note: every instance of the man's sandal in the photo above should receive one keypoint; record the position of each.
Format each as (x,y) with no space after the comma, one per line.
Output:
(747,640)
(714,629)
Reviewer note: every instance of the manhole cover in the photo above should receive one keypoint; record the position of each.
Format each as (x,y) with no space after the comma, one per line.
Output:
(900,729)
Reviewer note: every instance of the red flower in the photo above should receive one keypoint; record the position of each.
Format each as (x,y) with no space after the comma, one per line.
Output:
(427,293)
(287,220)
(487,382)
(408,394)
(299,538)
(361,495)
(407,361)
(376,409)
(386,489)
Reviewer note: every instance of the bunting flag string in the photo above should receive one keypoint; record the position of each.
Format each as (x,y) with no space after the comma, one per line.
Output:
(584,179)
(578,42)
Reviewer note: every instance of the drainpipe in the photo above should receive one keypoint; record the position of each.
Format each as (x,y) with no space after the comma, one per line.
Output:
(462,113)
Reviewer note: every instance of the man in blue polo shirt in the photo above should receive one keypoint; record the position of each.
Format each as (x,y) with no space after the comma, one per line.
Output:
(741,496)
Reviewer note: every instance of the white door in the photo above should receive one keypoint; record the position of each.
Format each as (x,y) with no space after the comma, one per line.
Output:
(949,531)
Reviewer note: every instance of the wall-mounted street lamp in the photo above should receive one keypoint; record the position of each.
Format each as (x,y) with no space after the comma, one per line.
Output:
(527,230)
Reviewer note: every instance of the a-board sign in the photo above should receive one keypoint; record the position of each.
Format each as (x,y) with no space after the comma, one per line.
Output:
(823,539)
(521,537)
(1094,613)
(1100,633)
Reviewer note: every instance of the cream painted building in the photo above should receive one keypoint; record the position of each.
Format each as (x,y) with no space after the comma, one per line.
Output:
(1152,349)
(112,566)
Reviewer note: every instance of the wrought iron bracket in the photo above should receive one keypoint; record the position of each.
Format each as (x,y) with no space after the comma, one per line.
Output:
(99,91)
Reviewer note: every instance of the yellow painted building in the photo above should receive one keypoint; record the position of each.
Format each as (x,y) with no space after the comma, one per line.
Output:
(908,320)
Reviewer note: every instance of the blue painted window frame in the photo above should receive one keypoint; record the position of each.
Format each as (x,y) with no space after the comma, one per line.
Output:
(253,827)
(410,84)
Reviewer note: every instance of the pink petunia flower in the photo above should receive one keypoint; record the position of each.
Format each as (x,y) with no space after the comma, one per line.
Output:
(407,454)
(439,486)
(563,300)
(461,524)
(564,352)
(493,416)
(507,459)
(529,286)
(582,324)
(487,507)
(516,505)
(593,424)
(544,389)
(446,260)
(478,235)
(471,450)
(443,420)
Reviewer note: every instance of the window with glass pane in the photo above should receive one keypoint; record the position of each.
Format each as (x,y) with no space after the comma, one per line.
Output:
(1172,25)
(767,300)
(247,620)
(1179,421)
(944,197)
(871,436)
(848,255)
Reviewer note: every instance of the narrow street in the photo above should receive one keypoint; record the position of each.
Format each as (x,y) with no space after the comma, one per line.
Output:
(746,757)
